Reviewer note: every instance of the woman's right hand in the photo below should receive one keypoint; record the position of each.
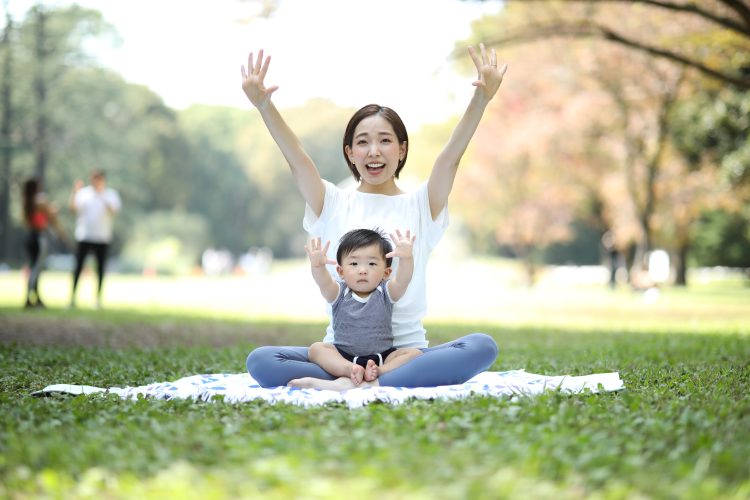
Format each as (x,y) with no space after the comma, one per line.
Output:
(252,80)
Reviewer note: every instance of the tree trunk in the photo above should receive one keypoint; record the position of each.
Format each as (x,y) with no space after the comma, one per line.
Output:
(40,94)
(6,150)
(681,264)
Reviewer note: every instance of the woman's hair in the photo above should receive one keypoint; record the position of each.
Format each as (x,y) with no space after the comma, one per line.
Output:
(30,190)
(361,238)
(392,118)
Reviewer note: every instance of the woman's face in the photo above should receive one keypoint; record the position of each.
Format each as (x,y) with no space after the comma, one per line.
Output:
(375,151)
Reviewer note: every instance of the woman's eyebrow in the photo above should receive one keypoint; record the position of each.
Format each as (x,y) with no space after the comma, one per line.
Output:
(382,132)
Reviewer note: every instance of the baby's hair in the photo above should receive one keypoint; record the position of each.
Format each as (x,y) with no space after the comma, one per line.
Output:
(360,238)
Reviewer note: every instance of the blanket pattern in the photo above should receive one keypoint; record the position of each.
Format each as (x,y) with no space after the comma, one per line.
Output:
(241,387)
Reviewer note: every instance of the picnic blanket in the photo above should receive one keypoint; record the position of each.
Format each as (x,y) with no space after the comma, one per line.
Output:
(241,387)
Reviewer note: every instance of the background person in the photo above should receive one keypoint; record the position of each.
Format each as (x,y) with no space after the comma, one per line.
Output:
(95,206)
(39,215)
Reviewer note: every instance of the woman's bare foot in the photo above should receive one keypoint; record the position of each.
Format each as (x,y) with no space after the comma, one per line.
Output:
(340,384)
(371,371)
(357,374)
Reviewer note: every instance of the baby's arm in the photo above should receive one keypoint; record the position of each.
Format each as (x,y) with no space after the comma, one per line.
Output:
(403,249)
(303,169)
(489,78)
(329,288)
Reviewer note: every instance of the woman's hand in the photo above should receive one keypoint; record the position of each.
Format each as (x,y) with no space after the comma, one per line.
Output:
(489,76)
(252,80)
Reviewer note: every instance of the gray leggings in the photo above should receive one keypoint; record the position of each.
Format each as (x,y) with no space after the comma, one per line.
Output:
(445,364)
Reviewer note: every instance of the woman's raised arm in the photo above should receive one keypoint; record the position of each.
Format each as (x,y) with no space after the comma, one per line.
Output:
(489,78)
(303,169)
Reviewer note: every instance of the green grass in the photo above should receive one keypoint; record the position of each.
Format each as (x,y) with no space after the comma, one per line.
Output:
(680,430)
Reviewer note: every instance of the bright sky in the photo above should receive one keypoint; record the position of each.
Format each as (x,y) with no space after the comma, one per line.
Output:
(353,52)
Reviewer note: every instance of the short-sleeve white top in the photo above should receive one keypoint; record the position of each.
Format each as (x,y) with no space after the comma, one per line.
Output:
(94,221)
(347,209)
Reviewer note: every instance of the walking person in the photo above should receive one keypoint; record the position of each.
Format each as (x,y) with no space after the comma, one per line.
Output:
(95,206)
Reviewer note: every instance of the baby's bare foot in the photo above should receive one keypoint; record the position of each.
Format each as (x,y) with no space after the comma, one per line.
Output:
(371,371)
(358,374)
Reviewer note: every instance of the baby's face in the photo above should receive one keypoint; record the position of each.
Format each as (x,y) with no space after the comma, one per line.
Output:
(364,269)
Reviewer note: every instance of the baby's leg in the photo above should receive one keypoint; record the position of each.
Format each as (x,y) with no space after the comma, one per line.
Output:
(328,357)
(371,371)
(398,358)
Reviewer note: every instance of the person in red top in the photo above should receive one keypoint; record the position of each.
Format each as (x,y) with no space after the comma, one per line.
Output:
(39,216)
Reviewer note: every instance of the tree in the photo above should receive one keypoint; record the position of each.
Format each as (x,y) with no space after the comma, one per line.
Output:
(712,128)
(36,51)
(632,129)
(6,148)
(718,47)
(518,185)
(710,134)
(643,110)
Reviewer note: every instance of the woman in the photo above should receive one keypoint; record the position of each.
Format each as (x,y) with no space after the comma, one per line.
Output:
(375,147)
(39,216)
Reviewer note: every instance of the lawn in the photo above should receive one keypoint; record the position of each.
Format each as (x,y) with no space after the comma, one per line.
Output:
(681,429)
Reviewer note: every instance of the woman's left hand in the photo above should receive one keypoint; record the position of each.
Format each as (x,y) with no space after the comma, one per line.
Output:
(489,76)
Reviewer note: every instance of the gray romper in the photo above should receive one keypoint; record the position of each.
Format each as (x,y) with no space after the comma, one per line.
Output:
(363,327)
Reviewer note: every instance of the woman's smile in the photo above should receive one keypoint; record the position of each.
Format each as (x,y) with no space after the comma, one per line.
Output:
(375,168)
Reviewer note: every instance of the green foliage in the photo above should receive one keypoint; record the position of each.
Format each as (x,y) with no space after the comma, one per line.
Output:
(722,240)
(220,164)
(679,430)
(216,163)
(167,242)
(715,127)
(583,249)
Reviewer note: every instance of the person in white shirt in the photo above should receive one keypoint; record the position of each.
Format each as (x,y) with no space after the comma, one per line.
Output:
(375,147)
(95,206)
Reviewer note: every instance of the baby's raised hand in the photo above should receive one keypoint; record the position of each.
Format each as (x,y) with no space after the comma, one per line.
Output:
(252,80)
(403,244)
(317,253)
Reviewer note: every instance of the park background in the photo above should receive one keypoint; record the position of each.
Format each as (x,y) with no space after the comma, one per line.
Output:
(586,136)
(630,119)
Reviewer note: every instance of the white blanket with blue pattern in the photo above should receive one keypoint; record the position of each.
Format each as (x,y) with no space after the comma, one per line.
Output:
(237,388)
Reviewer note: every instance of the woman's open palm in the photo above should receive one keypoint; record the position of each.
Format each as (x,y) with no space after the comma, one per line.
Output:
(252,80)
(489,76)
